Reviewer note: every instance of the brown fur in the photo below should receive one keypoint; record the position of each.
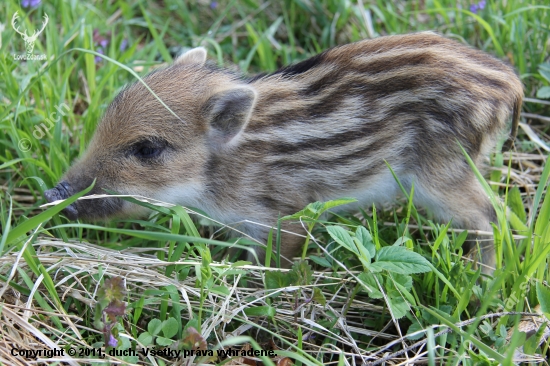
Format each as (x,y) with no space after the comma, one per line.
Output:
(254,149)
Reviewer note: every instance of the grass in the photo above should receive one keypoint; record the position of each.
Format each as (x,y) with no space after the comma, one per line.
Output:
(60,281)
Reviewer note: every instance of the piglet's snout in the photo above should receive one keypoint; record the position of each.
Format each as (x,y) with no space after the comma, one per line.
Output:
(60,192)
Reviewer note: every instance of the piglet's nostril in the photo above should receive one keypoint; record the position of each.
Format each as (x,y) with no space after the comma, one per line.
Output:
(60,192)
(52,195)
(64,189)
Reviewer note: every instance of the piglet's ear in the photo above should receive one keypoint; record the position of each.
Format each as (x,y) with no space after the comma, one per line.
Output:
(194,56)
(228,113)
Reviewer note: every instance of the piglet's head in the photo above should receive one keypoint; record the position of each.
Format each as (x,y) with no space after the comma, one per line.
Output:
(141,147)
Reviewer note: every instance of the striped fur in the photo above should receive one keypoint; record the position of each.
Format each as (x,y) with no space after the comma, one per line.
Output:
(254,149)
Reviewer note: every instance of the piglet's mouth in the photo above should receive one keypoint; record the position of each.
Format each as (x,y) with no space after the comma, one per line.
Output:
(60,192)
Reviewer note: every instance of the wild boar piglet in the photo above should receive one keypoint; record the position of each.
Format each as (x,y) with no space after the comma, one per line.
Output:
(256,148)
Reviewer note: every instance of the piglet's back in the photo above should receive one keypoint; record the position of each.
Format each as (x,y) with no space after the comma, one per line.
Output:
(406,100)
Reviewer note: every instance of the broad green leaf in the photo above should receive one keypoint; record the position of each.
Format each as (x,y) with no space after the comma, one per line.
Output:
(222,290)
(276,279)
(415,327)
(301,273)
(400,260)
(231,272)
(154,326)
(404,281)
(145,338)
(365,238)
(403,292)
(544,92)
(162,341)
(399,306)
(241,263)
(268,311)
(371,287)
(322,261)
(402,241)
(313,210)
(342,237)
(338,202)
(318,296)
(169,327)
(544,70)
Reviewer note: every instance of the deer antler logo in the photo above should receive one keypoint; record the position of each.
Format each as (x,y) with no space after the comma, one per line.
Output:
(29,40)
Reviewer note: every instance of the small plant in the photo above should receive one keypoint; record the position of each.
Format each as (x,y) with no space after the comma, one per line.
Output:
(544,71)
(152,336)
(109,307)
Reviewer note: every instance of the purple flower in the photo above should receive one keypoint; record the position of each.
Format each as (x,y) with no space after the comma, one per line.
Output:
(123,44)
(474,8)
(97,58)
(104,43)
(30,3)
(213,5)
(112,342)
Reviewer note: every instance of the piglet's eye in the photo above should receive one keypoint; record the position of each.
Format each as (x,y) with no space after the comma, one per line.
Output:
(148,152)
(149,149)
